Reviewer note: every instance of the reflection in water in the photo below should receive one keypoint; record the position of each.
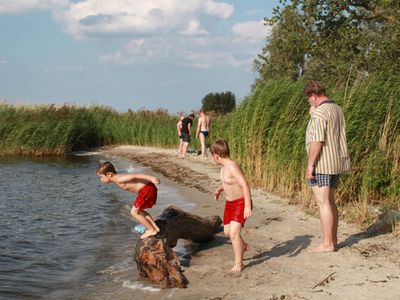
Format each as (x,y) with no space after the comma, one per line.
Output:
(62,232)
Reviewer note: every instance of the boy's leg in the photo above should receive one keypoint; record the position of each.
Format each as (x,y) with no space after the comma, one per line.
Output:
(151,230)
(150,218)
(326,216)
(239,246)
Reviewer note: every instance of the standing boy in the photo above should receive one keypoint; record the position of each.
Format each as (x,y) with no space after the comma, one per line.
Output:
(238,204)
(327,158)
(141,184)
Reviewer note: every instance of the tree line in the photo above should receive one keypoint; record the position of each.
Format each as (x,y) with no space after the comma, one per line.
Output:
(331,40)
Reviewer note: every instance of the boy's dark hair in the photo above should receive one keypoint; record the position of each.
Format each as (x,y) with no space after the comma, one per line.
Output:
(191,116)
(314,88)
(105,167)
(221,148)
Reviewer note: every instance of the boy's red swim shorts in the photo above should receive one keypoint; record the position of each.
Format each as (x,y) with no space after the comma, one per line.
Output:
(147,196)
(234,211)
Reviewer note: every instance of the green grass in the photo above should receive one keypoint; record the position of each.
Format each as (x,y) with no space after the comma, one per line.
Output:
(266,134)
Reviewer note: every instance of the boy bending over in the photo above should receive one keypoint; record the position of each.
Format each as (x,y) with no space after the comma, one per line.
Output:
(141,184)
(238,204)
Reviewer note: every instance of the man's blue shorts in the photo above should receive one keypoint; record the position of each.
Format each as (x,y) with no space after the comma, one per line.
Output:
(328,180)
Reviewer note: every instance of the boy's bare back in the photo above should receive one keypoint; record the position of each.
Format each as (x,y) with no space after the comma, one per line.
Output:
(132,185)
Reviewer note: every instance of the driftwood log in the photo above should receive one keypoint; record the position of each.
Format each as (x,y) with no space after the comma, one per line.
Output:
(154,257)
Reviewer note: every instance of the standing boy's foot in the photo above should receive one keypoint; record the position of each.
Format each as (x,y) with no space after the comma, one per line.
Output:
(322,248)
(148,233)
(246,247)
(237,268)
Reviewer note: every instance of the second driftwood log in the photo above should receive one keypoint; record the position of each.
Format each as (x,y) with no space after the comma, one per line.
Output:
(154,257)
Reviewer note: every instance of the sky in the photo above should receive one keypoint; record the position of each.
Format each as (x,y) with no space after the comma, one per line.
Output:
(129,54)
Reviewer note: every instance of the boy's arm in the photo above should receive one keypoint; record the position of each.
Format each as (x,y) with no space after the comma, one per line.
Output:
(239,176)
(218,192)
(129,177)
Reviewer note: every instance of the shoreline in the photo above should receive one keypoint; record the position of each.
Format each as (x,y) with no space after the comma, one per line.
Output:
(277,264)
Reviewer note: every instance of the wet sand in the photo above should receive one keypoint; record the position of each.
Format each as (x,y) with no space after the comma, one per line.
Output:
(277,266)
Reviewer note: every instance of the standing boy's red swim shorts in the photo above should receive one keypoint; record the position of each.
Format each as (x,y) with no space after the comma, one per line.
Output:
(234,211)
(147,196)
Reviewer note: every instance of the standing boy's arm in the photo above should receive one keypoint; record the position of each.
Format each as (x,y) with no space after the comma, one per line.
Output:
(130,177)
(239,176)
(218,192)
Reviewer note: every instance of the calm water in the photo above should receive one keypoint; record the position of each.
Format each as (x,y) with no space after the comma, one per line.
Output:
(65,235)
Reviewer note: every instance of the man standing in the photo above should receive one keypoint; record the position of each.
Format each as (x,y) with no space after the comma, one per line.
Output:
(327,158)
(203,130)
(186,131)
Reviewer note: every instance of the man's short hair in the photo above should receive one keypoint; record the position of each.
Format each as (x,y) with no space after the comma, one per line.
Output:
(105,167)
(314,88)
(221,148)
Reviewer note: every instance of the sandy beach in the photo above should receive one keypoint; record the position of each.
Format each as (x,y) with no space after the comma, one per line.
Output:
(277,266)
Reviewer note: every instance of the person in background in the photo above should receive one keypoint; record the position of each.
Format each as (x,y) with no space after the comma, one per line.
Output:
(179,130)
(186,131)
(203,130)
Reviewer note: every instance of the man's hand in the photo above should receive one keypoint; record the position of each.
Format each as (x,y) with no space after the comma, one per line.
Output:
(309,172)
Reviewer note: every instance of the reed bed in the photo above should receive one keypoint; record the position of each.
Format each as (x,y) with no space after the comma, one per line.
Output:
(266,135)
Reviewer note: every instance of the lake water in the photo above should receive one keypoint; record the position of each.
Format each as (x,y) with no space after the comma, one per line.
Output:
(65,235)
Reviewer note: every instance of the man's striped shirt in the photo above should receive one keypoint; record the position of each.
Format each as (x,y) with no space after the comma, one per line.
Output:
(327,125)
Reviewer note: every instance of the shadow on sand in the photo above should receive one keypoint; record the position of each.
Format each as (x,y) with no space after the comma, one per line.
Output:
(290,248)
(385,223)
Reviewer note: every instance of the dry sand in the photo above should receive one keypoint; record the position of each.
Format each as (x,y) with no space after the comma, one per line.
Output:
(278,265)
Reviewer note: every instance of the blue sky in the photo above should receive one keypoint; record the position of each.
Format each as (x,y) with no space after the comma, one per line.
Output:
(129,53)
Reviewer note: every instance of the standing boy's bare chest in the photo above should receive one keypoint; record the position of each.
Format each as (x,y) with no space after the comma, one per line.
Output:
(226,177)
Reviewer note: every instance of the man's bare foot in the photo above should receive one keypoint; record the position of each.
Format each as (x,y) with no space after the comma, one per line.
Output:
(322,248)
(148,233)
(246,247)
(237,268)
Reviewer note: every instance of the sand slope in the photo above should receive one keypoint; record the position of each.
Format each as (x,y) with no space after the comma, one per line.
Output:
(278,265)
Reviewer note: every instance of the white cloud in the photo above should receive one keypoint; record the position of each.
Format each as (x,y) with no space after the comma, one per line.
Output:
(20,6)
(198,52)
(139,17)
(194,28)
(253,30)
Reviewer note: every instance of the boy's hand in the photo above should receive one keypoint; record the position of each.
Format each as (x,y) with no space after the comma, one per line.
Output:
(156,181)
(247,213)
(216,195)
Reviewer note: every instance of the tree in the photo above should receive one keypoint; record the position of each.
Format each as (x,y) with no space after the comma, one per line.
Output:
(331,40)
(219,102)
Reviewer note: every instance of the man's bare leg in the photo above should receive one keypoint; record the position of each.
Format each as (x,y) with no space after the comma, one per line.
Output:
(203,144)
(184,149)
(327,218)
